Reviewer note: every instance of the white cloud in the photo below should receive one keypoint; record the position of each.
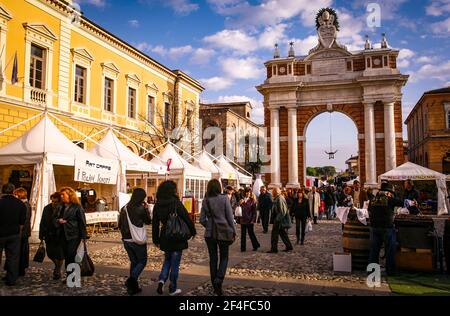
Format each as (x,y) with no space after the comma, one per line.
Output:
(236,40)
(133,23)
(242,68)
(216,83)
(173,52)
(389,8)
(180,7)
(438,7)
(350,31)
(303,46)
(424,59)
(442,27)
(272,35)
(258,109)
(404,56)
(202,56)
(97,3)
(268,12)
(440,72)
(143,46)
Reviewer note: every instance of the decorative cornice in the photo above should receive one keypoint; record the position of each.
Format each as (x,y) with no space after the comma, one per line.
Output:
(40,29)
(4,13)
(133,78)
(110,67)
(82,53)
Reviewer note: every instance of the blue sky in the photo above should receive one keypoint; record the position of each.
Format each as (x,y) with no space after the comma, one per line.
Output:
(224,44)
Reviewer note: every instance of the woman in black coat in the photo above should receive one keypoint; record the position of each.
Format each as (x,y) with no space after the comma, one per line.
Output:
(49,233)
(24,257)
(72,223)
(167,202)
(301,212)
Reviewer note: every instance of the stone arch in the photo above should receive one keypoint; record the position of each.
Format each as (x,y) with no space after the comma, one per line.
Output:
(305,115)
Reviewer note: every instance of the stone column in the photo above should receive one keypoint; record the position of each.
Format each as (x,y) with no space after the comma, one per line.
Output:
(389,137)
(292,149)
(369,133)
(275,148)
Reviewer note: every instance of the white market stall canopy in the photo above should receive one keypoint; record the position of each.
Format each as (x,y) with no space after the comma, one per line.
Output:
(205,162)
(112,148)
(233,173)
(415,172)
(43,140)
(411,171)
(180,165)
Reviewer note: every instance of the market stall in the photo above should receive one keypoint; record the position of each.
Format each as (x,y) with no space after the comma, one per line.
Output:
(191,180)
(136,168)
(225,164)
(431,185)
(49,160)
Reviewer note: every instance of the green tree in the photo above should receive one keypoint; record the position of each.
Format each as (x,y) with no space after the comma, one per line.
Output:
(311,171)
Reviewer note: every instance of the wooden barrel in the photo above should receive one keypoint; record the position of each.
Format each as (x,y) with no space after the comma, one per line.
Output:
(356,240)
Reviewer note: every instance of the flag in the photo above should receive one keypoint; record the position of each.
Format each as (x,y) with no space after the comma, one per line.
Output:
(15,71)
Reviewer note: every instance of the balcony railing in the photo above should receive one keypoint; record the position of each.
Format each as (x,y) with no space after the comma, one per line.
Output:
(38,96)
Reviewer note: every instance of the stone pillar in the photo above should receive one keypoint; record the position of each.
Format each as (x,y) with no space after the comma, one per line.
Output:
(389,137)
(275,148)
(292,149)
(369,133)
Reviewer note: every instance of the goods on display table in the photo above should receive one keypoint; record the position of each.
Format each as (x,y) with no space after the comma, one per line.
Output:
(356,238)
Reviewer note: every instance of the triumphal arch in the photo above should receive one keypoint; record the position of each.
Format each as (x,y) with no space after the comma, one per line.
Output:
(365,85)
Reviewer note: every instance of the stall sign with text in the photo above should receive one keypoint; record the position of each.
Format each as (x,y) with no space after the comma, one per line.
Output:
(95,170)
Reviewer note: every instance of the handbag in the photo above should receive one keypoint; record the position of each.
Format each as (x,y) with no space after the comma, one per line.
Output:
(220,232)
(138,234)
(308,227)
(40,253)
(238,211)
(86,266)
(176,228)
(286,221)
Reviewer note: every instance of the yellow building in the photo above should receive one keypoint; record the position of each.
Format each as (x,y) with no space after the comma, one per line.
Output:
(84,75)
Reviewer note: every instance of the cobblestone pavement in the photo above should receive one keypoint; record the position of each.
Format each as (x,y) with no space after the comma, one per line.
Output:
(305,271)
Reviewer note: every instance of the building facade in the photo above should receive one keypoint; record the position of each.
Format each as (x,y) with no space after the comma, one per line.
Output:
(241,136)
(90,79)
(365,85)
(428,127)
(352,166)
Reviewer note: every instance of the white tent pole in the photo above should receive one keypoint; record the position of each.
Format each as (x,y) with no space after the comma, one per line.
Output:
(139,145)
(190,156)
(18,124)
(90,137)
(82,134)
(231,161)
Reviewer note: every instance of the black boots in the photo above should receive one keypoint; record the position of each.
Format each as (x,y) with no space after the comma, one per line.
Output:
(218,288)
(132,286)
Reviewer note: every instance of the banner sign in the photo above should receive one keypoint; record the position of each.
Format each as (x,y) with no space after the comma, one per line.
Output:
(96,170)
(102,217)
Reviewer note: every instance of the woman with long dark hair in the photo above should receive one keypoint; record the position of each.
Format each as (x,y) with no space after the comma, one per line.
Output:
(302,214)
(248,220)
(51,235)
(168,203)
(216,214)
(135,213)
(72,223)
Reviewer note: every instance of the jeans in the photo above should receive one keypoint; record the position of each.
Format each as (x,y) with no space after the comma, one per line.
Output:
(278,231)
(251,233)
(315,219)
(11,244)
(138,258)
(378,236)
(171,268)
(217,267)
(300,222)
(265,217)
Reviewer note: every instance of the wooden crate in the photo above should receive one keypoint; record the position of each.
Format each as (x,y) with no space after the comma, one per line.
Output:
(416,261)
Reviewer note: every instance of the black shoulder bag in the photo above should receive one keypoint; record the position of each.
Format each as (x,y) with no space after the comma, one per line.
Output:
(176,228)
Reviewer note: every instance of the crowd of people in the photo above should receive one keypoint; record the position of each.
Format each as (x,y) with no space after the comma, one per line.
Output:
(63,225)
